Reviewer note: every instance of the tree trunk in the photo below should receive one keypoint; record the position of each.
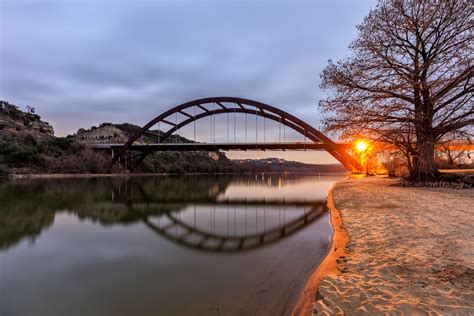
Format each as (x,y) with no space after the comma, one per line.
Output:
(424,168)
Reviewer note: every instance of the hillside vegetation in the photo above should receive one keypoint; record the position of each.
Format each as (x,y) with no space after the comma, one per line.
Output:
(28,145)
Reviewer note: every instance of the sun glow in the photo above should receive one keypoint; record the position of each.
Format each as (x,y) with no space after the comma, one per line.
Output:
(361,146)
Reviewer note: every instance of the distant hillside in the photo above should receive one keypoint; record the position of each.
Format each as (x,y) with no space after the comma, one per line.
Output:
(12,119)
(158,162)
(281,165)
(28,145)
(110,133)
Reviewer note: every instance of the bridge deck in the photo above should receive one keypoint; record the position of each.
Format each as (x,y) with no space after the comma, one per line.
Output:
(251,146)
(218,146)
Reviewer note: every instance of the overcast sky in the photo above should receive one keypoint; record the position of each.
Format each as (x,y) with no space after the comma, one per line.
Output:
(80,63)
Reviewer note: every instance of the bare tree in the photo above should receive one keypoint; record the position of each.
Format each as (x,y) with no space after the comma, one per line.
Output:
(408,81)
(30,109)
(453,150)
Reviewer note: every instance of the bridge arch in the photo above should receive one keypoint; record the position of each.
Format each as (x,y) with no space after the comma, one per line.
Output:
(236,105)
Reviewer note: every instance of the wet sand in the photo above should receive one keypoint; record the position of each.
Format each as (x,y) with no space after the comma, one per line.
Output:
(407,251)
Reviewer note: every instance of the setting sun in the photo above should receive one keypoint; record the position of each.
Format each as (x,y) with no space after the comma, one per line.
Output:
(361,146)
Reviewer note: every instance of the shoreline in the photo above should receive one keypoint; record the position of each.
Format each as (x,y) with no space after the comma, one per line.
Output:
(105,175)
(407,250)
(329,264)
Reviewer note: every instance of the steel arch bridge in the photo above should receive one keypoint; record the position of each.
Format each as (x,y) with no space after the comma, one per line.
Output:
(195,110)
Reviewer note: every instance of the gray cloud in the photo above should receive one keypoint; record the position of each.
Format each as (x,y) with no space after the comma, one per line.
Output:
(84,62)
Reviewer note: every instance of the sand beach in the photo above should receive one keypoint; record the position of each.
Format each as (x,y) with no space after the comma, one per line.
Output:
(396,250)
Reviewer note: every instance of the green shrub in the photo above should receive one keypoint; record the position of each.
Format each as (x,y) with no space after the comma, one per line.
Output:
(128,128)
(3,169)
(21,155)
(29,140)
(61,143)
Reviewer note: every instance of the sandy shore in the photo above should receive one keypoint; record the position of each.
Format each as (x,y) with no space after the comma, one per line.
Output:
(408,251)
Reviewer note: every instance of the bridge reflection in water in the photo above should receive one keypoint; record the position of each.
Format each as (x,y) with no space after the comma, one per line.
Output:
(214,228)
(216,224)
(168,245)
(197,214)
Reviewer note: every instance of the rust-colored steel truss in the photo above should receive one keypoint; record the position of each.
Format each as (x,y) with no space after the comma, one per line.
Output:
(197,109)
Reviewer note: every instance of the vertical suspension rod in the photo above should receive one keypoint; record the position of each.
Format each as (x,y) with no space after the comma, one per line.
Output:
(194,123)
(256,127)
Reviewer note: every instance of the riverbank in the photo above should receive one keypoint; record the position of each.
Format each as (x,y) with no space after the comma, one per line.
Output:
(99,175)
(409,250)
(328,266)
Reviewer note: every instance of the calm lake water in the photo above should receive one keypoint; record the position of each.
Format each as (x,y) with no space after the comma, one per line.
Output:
(163,245)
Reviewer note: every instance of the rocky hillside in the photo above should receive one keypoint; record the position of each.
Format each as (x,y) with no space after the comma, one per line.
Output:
(28,145)
(12,119)
(158,162)
(109,133)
